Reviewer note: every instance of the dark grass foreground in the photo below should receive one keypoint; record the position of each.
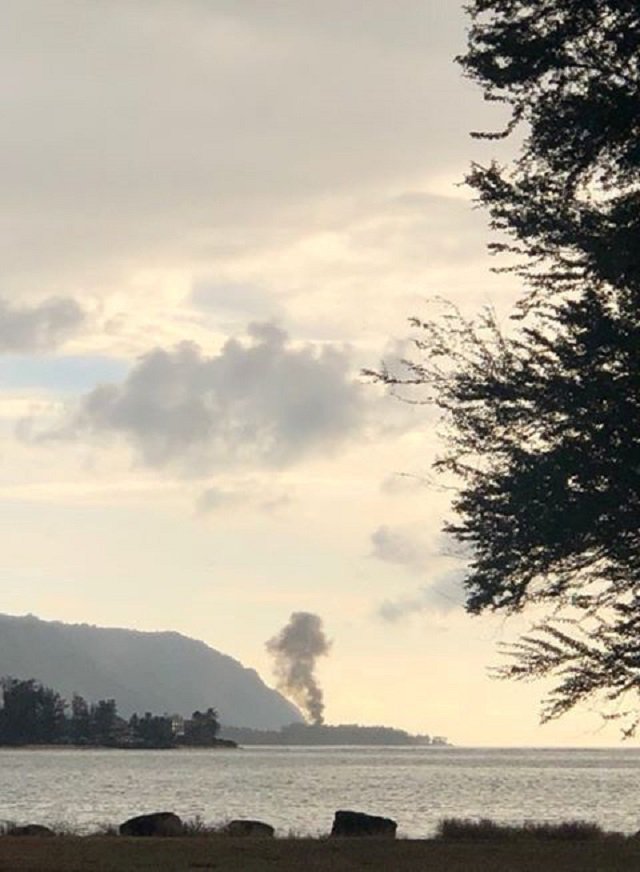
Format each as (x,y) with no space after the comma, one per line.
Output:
(69,854)
(460,846)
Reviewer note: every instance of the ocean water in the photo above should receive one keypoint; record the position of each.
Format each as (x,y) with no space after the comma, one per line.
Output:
(298,789)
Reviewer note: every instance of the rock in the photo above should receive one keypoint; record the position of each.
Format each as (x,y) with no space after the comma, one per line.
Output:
(356,823)
(249,828)
(160,823)
(30,830)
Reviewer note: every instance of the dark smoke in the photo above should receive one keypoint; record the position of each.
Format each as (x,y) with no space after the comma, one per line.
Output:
(295,649)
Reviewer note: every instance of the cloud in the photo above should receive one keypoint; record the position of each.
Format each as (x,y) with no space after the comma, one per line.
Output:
(208,120)
(215,498)
(235,300)
(38,328)
(442,596)
(403,483)
(250,494)
(404,546)
(259,400)
(410,547)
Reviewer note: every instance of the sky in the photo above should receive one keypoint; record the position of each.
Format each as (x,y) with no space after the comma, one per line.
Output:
(215,214)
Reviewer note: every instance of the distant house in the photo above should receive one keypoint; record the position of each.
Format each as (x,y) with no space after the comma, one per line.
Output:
(177,725)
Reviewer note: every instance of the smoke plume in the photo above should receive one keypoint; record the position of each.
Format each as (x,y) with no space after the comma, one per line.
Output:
(295,649)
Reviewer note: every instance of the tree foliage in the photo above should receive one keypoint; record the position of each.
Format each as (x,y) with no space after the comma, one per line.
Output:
(32,714)
(151,731)
(203,728)
(543,420)
(569,73)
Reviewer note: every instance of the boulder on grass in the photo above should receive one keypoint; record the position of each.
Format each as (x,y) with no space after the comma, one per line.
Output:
(160,823)
(249,828)
(30,830)
(356,823)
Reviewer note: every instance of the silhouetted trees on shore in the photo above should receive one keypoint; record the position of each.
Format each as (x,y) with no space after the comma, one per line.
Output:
(326,734)
(32,714)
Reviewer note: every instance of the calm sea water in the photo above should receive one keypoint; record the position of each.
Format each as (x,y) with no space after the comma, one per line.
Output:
(300,788)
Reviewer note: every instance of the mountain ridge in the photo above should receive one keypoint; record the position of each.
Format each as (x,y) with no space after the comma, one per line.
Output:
(158,671)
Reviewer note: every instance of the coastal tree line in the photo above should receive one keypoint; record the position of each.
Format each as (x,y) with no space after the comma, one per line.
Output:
(32,714)
(334,734)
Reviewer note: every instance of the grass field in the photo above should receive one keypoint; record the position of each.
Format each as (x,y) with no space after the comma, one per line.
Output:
(109,854)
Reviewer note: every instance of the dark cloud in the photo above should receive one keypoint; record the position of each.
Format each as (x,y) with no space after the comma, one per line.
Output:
(38,328)
(260,400)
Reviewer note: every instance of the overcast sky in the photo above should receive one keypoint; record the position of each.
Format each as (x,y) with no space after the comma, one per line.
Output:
(214,214)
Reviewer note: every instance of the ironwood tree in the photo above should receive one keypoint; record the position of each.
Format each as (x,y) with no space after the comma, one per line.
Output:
(543,419)
(30,713)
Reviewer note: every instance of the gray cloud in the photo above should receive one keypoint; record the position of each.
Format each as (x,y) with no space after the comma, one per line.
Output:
(232,304)
(442,596)
(273,505)
(38,328)
(136,127)
(404,546)
(425,227)
(260,400)
(252,494)
(411,548)
(214,499)
(403,483)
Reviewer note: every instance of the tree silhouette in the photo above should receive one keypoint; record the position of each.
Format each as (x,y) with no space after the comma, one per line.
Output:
(543,420)
(202,728)
(80,721)
(151,731)
(105,724)
(31,713)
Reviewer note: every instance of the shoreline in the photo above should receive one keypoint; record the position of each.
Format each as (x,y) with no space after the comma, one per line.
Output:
(622,749)
(116,748)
